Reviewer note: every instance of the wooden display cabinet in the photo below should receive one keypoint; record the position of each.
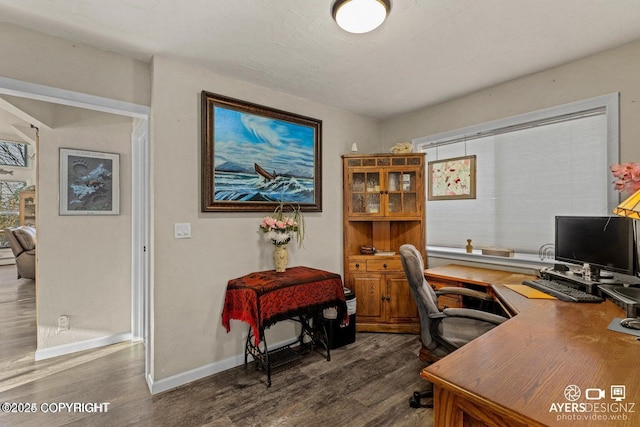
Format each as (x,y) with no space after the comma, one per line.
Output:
(28,208)
(384,197)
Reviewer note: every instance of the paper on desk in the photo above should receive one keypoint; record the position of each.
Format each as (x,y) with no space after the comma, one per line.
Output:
(529,292)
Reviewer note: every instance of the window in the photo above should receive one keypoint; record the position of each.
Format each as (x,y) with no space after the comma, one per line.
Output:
(529,169)
(13,153)
(9,206)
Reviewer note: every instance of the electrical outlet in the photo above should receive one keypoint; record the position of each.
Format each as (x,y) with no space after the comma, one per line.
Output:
(63,322)
(182,230)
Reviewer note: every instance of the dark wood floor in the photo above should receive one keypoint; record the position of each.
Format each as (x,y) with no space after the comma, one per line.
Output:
(367,383)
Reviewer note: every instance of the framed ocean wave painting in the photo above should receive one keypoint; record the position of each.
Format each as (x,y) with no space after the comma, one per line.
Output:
(255,157)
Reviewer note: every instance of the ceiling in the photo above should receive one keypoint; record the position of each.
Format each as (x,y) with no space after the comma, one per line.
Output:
(427,51)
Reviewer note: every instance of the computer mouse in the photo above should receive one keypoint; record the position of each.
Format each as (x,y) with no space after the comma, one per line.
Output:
(631,322)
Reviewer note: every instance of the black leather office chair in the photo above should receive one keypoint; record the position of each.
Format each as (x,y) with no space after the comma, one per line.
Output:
(442,332)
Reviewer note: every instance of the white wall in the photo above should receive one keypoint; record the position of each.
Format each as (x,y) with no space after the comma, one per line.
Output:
(190,275)
(37,58)
(615,70)
(84,262)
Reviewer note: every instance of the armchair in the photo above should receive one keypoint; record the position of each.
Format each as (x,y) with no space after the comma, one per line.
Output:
(442,331)
(22,241)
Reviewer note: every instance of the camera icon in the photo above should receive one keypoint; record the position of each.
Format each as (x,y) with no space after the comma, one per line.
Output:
(594,394)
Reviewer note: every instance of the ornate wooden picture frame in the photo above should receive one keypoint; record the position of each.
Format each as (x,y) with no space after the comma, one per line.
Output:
(254,157)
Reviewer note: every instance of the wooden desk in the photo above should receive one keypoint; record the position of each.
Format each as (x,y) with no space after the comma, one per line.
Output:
(474,278)
(516,374)
(263,298)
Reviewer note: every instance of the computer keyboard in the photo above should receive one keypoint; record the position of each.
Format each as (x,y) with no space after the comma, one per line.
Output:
(562,292)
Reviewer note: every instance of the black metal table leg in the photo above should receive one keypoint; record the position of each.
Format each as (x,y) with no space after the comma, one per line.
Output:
(266,357)
(312,329)
(261,357)
(246,346)
(320,332)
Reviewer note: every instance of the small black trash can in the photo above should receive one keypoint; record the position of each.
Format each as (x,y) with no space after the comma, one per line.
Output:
(341,335)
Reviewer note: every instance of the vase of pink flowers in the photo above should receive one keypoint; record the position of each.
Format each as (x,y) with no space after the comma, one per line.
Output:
(285,224)
(627,177)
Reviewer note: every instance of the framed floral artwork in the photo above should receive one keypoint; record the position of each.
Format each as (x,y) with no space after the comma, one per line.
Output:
(451,179)
(256,157)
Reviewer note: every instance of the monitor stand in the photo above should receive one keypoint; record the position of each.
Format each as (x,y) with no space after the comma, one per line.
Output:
(590,286)
(627,298)
(607,278)
(606,274)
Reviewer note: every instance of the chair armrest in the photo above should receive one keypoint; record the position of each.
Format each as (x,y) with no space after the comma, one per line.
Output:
(474,314)
(465,292)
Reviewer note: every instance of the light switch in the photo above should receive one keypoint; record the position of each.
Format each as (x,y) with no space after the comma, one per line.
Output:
(182,230)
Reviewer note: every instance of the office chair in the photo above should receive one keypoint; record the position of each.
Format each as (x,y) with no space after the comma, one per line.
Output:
(442,332)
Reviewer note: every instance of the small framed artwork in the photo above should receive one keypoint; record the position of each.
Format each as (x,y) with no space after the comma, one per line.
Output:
(452,179)
(89,182)
(255,157)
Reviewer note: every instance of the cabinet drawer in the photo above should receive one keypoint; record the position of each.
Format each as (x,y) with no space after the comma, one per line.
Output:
(377,265)
(442,283)
(384,265)
(357,266)
(450,301)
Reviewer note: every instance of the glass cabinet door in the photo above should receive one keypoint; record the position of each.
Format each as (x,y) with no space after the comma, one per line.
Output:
(365,193)
(402,188)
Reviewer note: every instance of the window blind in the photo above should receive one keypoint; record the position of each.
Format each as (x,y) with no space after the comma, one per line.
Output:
(526,174)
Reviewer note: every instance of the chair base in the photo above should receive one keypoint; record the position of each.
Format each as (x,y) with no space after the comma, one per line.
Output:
(414,401)
(426,356)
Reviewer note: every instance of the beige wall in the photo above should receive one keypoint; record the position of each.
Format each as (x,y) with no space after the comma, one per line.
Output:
(84,262)
(615,70)
(36,58)
(190,275)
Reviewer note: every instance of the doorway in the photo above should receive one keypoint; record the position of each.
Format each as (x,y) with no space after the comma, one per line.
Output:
(139,188)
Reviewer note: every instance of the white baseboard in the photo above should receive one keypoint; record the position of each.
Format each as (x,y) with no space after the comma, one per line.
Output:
(60,350)
(193,375)
(186,377)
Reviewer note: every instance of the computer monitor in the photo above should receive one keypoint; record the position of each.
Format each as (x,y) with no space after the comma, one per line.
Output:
(604,242)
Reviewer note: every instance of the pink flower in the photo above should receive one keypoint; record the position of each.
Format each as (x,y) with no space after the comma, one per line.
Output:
(628,177)
(280,228)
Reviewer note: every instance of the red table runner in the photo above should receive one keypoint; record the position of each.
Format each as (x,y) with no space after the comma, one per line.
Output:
(265,297)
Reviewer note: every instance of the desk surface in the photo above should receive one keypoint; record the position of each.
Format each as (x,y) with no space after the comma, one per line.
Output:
(519,371)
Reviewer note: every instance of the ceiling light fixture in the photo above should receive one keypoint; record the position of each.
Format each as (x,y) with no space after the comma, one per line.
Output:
(360,16)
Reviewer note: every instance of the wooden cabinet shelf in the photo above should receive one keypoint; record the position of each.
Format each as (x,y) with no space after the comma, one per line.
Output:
(383,207)
(28,208)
